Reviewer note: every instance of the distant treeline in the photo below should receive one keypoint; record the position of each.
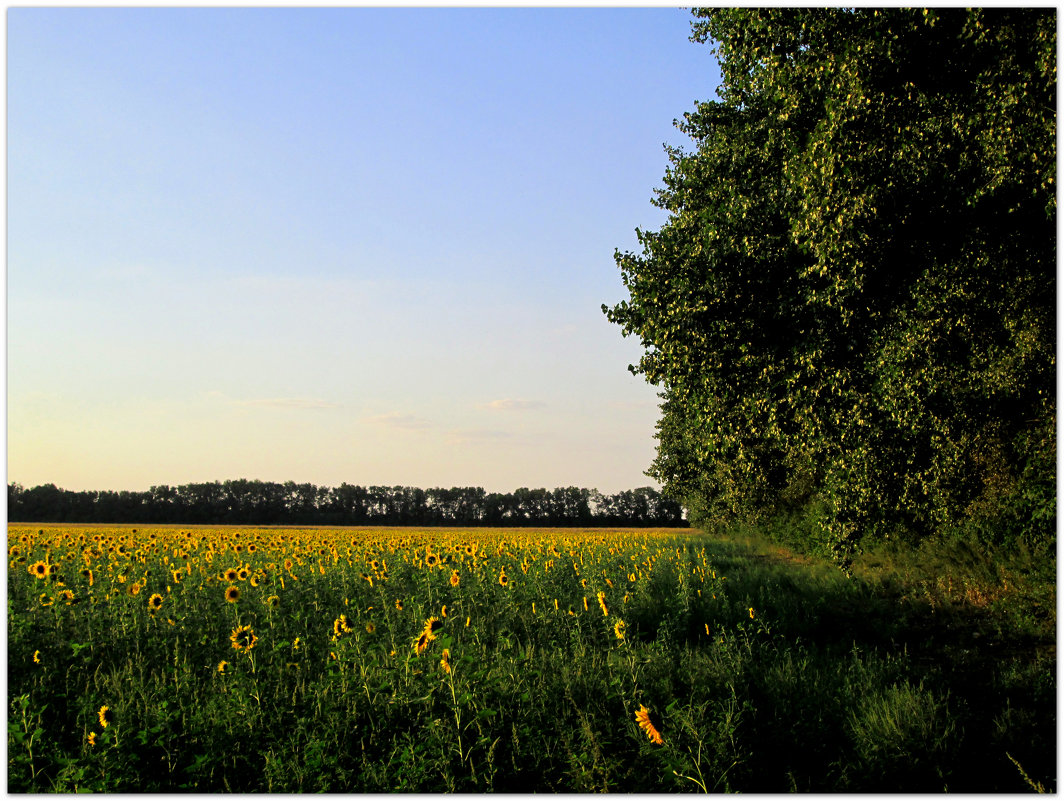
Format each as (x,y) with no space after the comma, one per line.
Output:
(269,503)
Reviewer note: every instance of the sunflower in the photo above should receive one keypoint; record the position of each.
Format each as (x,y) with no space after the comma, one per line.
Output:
(231,574)
(602,604)
(618,629)
(134,588)
(751,613)
(503,580)
(431,560)
(643,719)
(232,594)
(454,578)
(370,627)
(37,657)
(422,643)
(443,611)
(87,574)
(273,601)
(223,666)
(155,603)
(106,716)
(243,638)
(432,625)
(445,661)
(92,738)
(46,600)
(67,596)
(243,574)
(288,565)
(399,604)
(341,626)
(40,569)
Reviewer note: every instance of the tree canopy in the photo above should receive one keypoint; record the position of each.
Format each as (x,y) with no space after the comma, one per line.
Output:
(850,310)
(240,501)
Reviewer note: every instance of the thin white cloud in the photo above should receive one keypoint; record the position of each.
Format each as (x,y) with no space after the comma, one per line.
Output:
(460,436)
(405,422)
(276,403)
(290,403)
(513,404)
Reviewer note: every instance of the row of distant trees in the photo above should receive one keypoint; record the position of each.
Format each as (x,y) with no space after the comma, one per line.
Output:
(266,502)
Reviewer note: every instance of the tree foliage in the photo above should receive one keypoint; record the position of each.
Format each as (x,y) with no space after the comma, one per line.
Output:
(850,308)
(240,501)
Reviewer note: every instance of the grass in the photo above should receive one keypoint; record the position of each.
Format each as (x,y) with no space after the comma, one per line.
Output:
(762,670)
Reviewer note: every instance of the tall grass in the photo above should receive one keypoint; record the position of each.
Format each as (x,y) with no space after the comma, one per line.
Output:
(759,675)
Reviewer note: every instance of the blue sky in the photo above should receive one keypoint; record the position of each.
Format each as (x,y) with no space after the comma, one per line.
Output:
(328,245)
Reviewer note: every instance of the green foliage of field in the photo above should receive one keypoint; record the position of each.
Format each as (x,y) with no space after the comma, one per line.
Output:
(761,671)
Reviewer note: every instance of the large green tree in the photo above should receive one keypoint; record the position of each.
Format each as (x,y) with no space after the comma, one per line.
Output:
(850,308)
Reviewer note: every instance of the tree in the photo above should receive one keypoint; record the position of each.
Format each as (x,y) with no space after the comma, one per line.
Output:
(850,309)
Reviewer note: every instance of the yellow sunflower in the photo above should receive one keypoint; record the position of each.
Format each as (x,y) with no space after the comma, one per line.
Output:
(273,601)
(455,578)
(155,603)
(243,638)
(341,626)
(232,594)
(40,569)
(106,716)
(445,661)
(618,629)
(223,666)
(602,604)
(643,719)
(432,625)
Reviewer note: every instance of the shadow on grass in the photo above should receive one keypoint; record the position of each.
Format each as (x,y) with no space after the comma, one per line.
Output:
(953,651)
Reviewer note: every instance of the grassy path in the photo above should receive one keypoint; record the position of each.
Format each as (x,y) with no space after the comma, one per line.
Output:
(980,636)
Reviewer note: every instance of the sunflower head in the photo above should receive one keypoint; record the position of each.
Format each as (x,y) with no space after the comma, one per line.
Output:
(155,603)
(243,638)
(223,666)
(232,594)
(618,629)
(342,626)
(445,661)
(503,580)
(106,716)
(642,717)
(232,574)
(370,627)
(455,578)
(273,601)
(422,643)
(40,569)
(431,560)
(432,625)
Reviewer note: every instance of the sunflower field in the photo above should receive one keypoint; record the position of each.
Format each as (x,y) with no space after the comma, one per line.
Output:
(214,659)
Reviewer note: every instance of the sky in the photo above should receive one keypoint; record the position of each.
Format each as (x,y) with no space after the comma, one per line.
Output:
(362,245)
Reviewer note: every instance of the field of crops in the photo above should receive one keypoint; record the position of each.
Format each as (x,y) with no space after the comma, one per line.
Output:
(371,660)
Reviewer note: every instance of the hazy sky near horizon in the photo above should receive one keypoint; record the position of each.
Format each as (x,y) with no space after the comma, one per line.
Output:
(360,245)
